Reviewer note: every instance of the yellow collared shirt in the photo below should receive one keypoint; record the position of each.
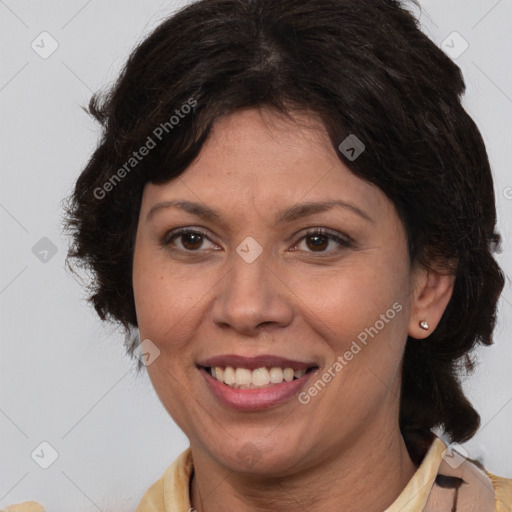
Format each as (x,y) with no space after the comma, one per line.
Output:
(440,484)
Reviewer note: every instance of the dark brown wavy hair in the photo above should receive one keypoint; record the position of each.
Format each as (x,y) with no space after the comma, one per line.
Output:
(363,67)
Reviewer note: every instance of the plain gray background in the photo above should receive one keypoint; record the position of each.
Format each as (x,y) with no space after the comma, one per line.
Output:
(64,377)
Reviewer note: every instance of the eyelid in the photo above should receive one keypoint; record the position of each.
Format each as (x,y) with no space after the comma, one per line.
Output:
(326,232)
(343,240)
(166,239)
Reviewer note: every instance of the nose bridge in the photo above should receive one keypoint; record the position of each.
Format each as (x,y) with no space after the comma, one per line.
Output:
(251,293)
(250,265)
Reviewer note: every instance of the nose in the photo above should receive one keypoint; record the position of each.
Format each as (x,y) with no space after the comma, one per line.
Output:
(252,298)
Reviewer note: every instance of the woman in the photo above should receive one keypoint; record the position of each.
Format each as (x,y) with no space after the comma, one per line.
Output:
(293,217)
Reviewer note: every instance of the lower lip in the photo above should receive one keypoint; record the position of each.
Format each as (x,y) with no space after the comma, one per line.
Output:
(254,399)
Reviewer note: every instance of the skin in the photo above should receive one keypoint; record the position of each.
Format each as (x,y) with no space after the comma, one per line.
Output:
(196,298)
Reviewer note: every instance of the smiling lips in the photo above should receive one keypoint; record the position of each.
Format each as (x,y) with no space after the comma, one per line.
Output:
(254,383)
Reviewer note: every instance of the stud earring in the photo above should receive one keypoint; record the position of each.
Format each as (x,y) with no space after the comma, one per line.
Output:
(424,325)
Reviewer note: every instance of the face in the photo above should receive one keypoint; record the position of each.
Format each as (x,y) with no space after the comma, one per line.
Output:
(270,278)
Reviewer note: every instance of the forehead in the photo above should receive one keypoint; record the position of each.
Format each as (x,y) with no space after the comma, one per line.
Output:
(258,158)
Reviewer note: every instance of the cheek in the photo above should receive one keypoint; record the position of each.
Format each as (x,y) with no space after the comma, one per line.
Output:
(343,302)
(359,311)
(165,301)
(153,287)
(161,298)
(168,298)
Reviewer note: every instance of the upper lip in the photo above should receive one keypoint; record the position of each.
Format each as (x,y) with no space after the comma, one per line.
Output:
(251,363)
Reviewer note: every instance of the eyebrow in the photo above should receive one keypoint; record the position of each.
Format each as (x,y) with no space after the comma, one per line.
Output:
(296,212)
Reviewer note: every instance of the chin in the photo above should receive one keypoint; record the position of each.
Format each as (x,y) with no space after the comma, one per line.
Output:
(258,456)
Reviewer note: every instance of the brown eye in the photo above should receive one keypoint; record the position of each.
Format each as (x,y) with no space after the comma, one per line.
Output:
(186,240)
(191,241)
(318,242)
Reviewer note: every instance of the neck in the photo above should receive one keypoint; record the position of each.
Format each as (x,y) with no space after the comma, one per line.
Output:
(368,473)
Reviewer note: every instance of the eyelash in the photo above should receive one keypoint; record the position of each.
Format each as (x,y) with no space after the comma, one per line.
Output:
(344,242)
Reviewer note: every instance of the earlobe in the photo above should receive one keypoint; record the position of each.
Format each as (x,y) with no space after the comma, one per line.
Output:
(432,294)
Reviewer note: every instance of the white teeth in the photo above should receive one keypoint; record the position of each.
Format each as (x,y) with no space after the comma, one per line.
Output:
(219,373)
(260,377)
(276,375)
(229,376)
(243,378)
(288,374)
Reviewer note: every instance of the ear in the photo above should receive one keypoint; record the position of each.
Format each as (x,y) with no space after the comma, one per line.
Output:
(432,292)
